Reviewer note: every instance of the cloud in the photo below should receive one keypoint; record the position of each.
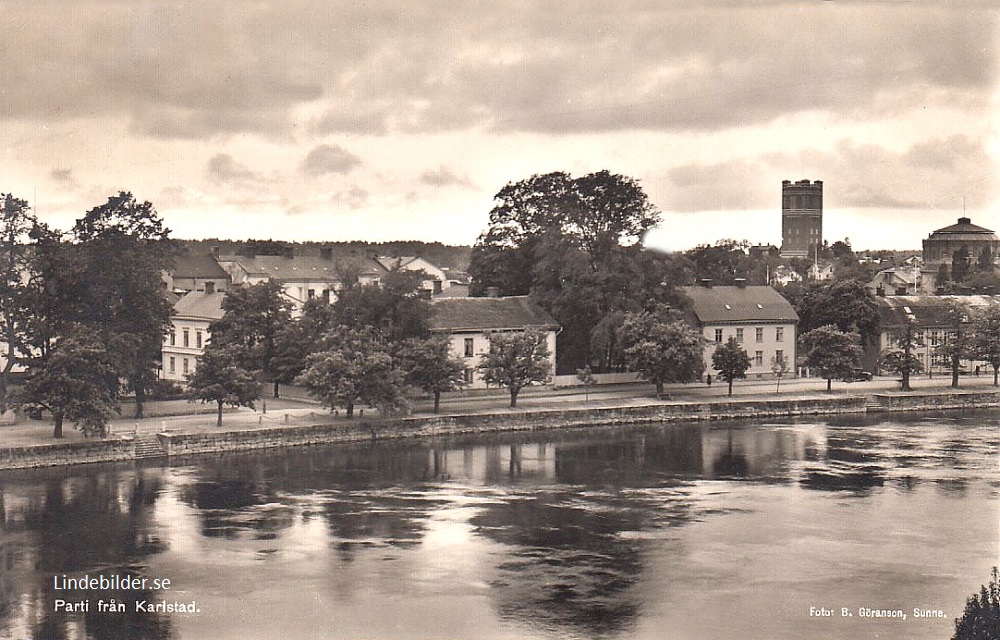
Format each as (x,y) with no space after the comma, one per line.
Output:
(175,71)
(444,177)
(64,178)
(224,170)
(931,174)
(326,159)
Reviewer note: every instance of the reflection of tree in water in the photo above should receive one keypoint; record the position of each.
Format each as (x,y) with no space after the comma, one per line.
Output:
(632,458)
(93,524)
(852,464)
(370,518)
(229,507)
(568,566)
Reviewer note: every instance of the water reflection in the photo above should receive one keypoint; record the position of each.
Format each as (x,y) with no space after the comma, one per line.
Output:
(554,534)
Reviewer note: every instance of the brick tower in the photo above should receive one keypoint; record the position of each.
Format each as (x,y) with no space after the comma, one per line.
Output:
(801,218)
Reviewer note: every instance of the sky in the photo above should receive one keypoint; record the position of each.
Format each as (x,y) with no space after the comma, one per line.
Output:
(330,120)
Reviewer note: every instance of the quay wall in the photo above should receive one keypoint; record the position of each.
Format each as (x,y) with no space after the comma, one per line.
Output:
(63,453)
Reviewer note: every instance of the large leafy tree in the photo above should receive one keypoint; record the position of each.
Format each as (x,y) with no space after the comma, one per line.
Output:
(393,309)
(844,303)
(16,225)
(832,352)
(428,364)
(661,347)
(984,342)
(730,359)
(77,382)
(303,336)
(254,319)
(572,243)
(120,250)
(515,360)
(356,368)
(956,344)
(981,618)
(219,378)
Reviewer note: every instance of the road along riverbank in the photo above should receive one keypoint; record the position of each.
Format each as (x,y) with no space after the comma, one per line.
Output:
(192,441)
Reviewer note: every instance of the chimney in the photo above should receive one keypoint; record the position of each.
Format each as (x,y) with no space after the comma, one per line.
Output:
(209,287)
(741,283)
(492,292)
(437,286)
(326,253)
(215,252)
(706,282)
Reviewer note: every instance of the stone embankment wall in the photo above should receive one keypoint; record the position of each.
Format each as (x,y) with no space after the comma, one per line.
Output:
(930,402)
(195,443)
(50,455)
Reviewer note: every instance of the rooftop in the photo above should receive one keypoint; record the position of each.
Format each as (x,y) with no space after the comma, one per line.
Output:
(480,314)
(717,304)
(198,304)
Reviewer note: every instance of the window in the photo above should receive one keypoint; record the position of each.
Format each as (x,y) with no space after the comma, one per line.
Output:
(739,335)
(173,365)
(184,365)
(758,359)
(312,294)
(173,337)
(197,338)
(468,375)
(779,355)
(468,347)
(187,338)
(759,334)
(779,334)
(718,335)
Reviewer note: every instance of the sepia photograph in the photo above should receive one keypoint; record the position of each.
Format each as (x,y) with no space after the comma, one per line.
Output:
(499,320)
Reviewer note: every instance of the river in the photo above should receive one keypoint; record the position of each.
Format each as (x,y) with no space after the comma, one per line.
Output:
(693,531)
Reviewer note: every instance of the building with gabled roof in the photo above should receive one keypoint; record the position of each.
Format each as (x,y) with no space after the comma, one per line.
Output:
(191,271)
(468,322)
(189,333)
(758,317)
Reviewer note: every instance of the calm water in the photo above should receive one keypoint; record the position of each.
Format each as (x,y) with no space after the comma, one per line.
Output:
(684,531)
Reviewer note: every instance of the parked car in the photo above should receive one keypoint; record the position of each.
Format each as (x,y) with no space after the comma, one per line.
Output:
(858,376)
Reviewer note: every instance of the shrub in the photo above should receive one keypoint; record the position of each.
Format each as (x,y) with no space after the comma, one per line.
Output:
(981,619)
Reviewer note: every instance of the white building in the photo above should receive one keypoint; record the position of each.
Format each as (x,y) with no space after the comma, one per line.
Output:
(469,321)
(758,317)
(189,332)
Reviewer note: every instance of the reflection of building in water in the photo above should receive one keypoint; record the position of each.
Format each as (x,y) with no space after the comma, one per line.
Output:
(750,452)
(498,463)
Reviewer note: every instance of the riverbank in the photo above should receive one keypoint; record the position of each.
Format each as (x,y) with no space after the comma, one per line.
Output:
(318,428)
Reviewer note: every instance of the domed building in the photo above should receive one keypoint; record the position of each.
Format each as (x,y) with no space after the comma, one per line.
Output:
(963,244)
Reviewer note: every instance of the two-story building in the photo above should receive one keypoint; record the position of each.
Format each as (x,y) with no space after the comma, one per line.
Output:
(189,334)
(758,317)
(468,322)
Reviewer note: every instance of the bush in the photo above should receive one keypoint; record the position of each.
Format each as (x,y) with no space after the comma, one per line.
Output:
(981,619)
(166,390)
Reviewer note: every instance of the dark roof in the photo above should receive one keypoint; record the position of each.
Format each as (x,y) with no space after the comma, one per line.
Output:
(283,269)
(927,311)
(197,265)
(739,304)
(198,304)
(963,226)
(480,314)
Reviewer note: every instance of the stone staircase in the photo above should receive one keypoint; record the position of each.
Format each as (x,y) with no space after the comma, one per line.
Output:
(872,405)
(147,445)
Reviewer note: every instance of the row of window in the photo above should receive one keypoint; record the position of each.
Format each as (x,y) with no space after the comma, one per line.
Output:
(185,365)
(779,334)
(185,337)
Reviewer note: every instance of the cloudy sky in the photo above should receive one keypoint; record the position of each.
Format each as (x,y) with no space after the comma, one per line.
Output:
(336,120)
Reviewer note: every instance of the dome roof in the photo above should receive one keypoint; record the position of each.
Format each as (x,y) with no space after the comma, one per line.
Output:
(964,227)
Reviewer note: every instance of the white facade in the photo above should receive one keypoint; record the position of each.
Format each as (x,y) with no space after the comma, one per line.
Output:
(470,346)
(762,342)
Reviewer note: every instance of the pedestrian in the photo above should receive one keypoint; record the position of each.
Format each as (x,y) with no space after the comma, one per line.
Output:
(708,379)
(977,370)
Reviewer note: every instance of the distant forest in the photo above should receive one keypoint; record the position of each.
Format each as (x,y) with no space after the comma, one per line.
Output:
(453,257)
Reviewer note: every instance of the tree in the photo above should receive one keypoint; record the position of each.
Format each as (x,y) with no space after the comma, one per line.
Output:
(303,336)
(219,378)
(515,360)
(15,316)
(832,352)
(587,379)
(254,318)
(844,303)
(731,361)
(985,340)
(779,367)
(661,347)
(121,249)
(393,309)
(956,345)
(428,364)
(722,262)
(77,382)
(981,618)
(355,368)
(901,358)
